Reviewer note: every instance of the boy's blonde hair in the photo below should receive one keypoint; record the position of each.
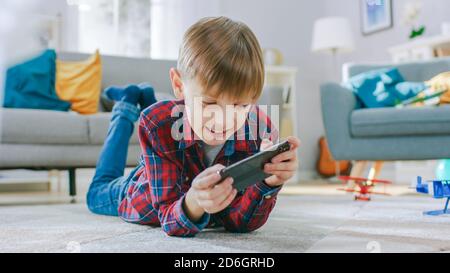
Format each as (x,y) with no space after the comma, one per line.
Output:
(224,56)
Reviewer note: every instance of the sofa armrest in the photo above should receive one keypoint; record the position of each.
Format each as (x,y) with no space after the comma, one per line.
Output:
(337,105)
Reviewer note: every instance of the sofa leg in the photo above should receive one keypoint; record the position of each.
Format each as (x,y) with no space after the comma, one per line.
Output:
(72,185)
(375,170)
(358,169)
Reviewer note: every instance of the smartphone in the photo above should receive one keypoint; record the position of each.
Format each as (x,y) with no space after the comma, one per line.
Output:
(251,170)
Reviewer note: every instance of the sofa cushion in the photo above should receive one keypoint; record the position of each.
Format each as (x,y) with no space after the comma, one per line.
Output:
(52,156)
(98,129)
(80,83)
(27,126)
(385,122)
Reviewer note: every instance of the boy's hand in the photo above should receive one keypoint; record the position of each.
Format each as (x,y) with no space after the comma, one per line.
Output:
(282,166)
(205,195)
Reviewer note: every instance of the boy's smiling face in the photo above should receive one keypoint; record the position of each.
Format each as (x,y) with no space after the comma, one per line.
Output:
(214,119)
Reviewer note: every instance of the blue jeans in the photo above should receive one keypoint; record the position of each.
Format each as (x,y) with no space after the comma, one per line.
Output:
(108,184)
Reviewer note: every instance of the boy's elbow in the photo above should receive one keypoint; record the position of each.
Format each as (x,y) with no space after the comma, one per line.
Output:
(243,227)
(175,233)
(178,232)
(239,230)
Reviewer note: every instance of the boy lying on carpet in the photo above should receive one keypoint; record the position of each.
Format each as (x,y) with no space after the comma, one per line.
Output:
(176,184)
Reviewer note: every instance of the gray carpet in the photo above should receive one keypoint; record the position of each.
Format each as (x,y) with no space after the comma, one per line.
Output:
(298,224)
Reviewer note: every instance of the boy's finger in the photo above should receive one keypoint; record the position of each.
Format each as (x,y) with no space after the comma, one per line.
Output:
(283,166)
(284,175)
(284,156)
(218,190)
(213,169)
(222,189)
(295,142)
(207,181)
(210,170)
(223,196)
(213,206)
(227,200)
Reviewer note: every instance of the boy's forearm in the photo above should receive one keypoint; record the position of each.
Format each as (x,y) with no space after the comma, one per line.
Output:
(191,208)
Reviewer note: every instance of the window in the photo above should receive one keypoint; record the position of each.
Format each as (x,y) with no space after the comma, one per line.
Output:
(116,27)
(138,28)
(171,18)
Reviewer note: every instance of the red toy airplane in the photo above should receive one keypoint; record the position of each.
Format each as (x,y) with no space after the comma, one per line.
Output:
(364,187)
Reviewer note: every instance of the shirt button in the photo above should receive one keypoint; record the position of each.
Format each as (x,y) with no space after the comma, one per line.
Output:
(268,196)
(187,178)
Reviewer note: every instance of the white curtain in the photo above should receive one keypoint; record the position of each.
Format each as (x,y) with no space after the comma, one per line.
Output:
(171,18)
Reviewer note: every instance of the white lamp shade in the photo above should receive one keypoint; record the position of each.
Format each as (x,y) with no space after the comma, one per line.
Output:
(332,34)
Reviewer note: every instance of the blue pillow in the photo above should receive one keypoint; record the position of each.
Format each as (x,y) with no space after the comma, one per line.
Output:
(370,87)
(406,90)
(32,84)
(383,88)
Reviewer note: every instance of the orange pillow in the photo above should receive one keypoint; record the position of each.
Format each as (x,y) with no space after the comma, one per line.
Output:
(80,83)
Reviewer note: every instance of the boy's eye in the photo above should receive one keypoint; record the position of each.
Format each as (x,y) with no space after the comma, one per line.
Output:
(242,105)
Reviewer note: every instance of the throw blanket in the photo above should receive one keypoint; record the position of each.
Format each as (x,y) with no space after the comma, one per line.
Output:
(32,84)
(441,82)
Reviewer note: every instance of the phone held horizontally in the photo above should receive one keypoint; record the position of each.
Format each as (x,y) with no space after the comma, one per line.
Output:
(251,170)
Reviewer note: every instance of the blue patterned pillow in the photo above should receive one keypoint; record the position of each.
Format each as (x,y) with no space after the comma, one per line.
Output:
(383,88)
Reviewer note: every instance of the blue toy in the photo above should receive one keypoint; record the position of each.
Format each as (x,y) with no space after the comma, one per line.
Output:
(439,189)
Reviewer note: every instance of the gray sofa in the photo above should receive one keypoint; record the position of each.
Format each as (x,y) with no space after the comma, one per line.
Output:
(42,139)
(386,134)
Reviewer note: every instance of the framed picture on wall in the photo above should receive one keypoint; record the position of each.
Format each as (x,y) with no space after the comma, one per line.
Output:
(376,15)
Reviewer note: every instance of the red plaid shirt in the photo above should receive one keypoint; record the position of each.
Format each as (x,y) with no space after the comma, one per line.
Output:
(158,185)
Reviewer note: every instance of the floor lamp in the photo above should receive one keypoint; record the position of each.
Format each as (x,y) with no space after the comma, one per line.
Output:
(332,35)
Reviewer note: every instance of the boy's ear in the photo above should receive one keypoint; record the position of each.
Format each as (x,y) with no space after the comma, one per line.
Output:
(177,84)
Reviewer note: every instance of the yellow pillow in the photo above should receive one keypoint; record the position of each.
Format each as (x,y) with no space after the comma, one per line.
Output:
(80,83)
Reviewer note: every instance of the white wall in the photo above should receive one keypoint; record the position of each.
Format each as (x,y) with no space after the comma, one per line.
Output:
(171,18)
(372,48)
(287,25)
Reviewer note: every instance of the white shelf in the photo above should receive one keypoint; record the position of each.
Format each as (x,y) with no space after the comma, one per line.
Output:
(419,49)
(422,42)
(285,76)
(23,176)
